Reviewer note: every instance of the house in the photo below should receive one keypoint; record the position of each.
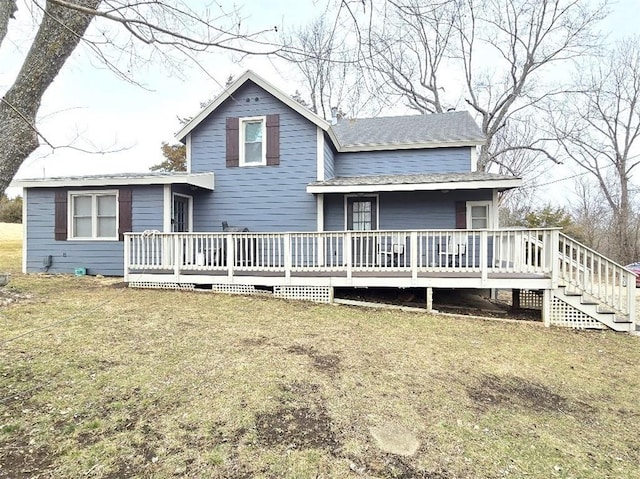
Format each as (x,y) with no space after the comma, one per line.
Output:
(314,205)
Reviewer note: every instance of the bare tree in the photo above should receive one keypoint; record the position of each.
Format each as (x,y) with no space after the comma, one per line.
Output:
(327,61)
(497,53)
(154,30)
(598,127)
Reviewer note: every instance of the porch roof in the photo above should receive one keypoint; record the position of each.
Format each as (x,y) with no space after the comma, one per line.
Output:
(417,182)
(200,180)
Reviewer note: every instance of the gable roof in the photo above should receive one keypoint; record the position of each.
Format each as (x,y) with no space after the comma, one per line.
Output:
(435,130)
(412,131)
(265,85)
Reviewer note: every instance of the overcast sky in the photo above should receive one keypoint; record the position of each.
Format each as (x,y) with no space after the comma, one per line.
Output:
(91,108)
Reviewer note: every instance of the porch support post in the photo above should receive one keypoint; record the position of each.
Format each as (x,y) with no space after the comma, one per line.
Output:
(287,256)
(555,258)
(348,253)
(546,307)
(127,254)
(515,299)
(429,299)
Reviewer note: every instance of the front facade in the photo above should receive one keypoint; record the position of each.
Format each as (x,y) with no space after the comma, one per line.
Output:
(364,192)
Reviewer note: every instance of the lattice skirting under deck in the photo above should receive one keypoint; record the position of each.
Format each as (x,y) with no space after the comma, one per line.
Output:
(238,289)
(531,299)
(317,294)
(161,285)
(565,315)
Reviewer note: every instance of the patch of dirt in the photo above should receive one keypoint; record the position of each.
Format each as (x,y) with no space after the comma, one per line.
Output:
(254,342)
(514,391)
(390,466)
(327,363)
(19,459)
(297,427)
(9,296)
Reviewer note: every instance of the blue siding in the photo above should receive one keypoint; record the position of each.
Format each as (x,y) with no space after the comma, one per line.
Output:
(406,210)
(263,198)
(432,160)
(98,257)
(329,158)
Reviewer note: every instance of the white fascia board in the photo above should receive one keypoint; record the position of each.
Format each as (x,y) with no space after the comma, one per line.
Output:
(202,180)
(320,174)
(408,146)
(25,227)
(458,185)
(276,92)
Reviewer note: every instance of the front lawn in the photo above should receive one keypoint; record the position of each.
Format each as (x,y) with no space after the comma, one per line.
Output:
(102,381)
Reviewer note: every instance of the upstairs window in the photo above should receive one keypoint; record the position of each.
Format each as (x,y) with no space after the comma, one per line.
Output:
(253,147)
(93,215)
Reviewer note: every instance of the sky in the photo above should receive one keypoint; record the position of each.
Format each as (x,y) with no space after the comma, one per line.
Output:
(92,109)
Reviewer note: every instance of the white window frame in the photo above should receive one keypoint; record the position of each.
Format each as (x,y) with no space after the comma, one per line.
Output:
(346,207)
(253,119)
(94,216)
(488,205)
(190,212)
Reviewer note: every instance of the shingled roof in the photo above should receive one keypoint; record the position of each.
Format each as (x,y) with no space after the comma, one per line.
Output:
(455,128)
(414,182)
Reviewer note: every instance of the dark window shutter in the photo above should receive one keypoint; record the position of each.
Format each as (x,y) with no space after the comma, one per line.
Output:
(461,214)
(60,229)
(273,140)
(124,212)
(233,142)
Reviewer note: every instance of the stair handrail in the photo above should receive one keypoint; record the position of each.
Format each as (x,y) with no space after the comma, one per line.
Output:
(614,300)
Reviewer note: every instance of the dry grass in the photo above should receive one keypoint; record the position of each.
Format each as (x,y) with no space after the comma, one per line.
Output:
(135,383)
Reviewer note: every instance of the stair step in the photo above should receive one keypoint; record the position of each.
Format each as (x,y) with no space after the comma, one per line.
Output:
(621,319)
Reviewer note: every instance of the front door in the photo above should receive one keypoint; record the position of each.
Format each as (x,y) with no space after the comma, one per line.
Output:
(181,214)
(362,215)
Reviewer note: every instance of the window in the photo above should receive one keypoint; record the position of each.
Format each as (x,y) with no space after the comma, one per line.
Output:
(93,215)
(253,147)
(479,215)
(362,213)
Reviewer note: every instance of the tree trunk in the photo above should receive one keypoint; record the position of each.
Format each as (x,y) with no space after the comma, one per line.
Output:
(58,36)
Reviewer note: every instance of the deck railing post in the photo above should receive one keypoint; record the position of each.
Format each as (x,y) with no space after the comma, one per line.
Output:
(348,253)
(554,247)
(288,260)
(230,248)
(177,260)
(631,299)
(413,246)
(127,255)
(484,251)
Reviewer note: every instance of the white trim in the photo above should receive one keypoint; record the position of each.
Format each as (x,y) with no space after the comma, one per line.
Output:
(320,212)
(188,153)
(94,214)
(265,85)
(166,208)
(24,231)
(320,173)
(201,180)
(474,158)
(490,215)
(444,185)
(242,122)
(372,195)
(190,212)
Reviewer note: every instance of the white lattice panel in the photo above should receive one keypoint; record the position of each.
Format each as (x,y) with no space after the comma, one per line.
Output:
(161,285)
(237,289)
(531,299)
(565,315)
(317,294)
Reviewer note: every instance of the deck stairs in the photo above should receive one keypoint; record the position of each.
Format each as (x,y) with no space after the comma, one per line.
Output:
(593,292)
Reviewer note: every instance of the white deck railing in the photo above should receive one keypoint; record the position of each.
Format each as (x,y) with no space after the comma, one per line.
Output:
(465,251)
(588,271)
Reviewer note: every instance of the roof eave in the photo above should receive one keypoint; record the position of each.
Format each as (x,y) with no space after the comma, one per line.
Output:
(200,180)
(498,184)
(410,146)
(262,83)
